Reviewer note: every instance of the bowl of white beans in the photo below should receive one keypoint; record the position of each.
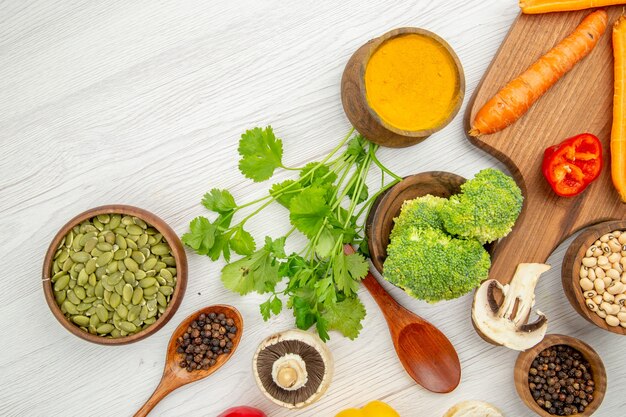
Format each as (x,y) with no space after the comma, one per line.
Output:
(594,275)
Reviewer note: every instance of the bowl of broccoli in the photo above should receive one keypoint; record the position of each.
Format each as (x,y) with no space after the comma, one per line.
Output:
(431,234)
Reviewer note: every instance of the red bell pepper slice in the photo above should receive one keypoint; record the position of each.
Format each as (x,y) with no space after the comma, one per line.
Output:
(573,164)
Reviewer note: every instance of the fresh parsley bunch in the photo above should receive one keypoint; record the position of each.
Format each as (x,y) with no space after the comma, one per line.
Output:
(325,204)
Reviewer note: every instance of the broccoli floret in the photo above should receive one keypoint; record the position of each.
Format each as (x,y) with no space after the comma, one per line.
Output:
(420,213)
(430,265)
(486,209)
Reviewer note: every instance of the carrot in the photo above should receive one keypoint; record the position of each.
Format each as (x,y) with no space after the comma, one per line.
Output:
(514,100)
(618,133)
(547,6)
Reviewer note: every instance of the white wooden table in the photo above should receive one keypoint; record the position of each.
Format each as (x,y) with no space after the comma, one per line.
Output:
(143,102)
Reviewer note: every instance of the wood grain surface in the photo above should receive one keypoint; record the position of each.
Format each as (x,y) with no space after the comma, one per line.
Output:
(580,102)
(142,102)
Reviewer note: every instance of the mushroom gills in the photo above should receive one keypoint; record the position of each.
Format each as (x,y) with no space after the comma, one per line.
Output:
(278,353)
(506,323)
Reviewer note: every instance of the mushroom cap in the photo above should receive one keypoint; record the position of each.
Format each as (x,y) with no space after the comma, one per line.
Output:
(473,409)
(314,353)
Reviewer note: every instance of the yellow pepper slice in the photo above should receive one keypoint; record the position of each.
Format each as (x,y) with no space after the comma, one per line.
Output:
(373,409)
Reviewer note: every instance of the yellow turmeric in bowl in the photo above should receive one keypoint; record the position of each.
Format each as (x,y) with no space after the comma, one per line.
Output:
(412,82)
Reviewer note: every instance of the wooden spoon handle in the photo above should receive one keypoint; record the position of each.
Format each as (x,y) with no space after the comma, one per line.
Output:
(166,386)
(387,304)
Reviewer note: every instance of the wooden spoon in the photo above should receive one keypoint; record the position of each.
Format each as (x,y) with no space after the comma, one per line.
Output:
(173,375)
(424,351)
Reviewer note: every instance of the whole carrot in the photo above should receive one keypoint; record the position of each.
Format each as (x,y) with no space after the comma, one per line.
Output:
(547,6)
(618,133)
(514,100)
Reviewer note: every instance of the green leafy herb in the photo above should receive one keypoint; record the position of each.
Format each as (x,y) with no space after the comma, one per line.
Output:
(325,203)
(261,153)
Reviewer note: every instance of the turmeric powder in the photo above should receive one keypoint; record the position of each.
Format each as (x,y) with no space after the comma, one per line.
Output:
(411,82)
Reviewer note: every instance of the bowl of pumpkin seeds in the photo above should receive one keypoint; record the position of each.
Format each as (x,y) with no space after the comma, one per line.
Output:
(114,274)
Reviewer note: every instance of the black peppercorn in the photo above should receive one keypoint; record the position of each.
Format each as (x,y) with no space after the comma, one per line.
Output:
(560,382)
(207,337)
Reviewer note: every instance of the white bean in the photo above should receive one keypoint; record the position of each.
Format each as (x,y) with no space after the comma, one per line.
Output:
(590,262)
(600,273)
(586,284)
(597,299)
(599,285)
(621,316)
(615,288)
(612,321)
(608,297)
(613,274)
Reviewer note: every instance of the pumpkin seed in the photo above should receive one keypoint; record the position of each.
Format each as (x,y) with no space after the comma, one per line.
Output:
(127,293)
(122,311)
(105,328)
(161,299)
(133,313)
(94,320)
(90,266)
(131,244)
(90,244)
(138,257)
(133,229)
(128,327)
(119,287)
(80,292)
(115,221)
(87,236)
(169,260)
(120,253)
(91,299)
(81,320)
(83,306)
(65,253)
(150,320)
(147,282)
(102,313)
(120,231)
(137,295)
(149,263)
(69,307)
(114,278)
(166,290)
(104,259)
(114,300)
(76,242)
(149,291)
(83,277)
(112,267)
(97,224)
(140,222)
(60,296)
(131,265)
(105,247)
(159,266)
(160,249)
(142,241)
(61,283)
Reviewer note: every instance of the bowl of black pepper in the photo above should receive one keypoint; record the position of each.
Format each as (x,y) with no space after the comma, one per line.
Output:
(561,376)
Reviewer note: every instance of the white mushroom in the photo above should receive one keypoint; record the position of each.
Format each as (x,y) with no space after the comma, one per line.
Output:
(293,368)
(505,324)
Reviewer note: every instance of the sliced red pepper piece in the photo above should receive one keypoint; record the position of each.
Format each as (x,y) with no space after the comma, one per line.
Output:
(573,164)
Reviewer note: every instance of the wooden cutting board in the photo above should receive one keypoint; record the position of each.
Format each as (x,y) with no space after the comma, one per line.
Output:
(580,102)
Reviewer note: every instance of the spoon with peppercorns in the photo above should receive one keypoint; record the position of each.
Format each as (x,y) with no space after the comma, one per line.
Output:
(200,345)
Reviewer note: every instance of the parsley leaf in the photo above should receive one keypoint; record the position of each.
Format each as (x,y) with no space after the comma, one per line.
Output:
(257,272)
(316,173)
(348,270)
(261,153)
(201,235)
(273,305)
(219,201)
(308,211)
(284,191)
(345,316)
(242,242)
(325,243)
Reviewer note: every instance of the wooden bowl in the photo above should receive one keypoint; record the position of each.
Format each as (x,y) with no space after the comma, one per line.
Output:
(364,118)
(571,267)
(177,252)
(525,360)
(387,206)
